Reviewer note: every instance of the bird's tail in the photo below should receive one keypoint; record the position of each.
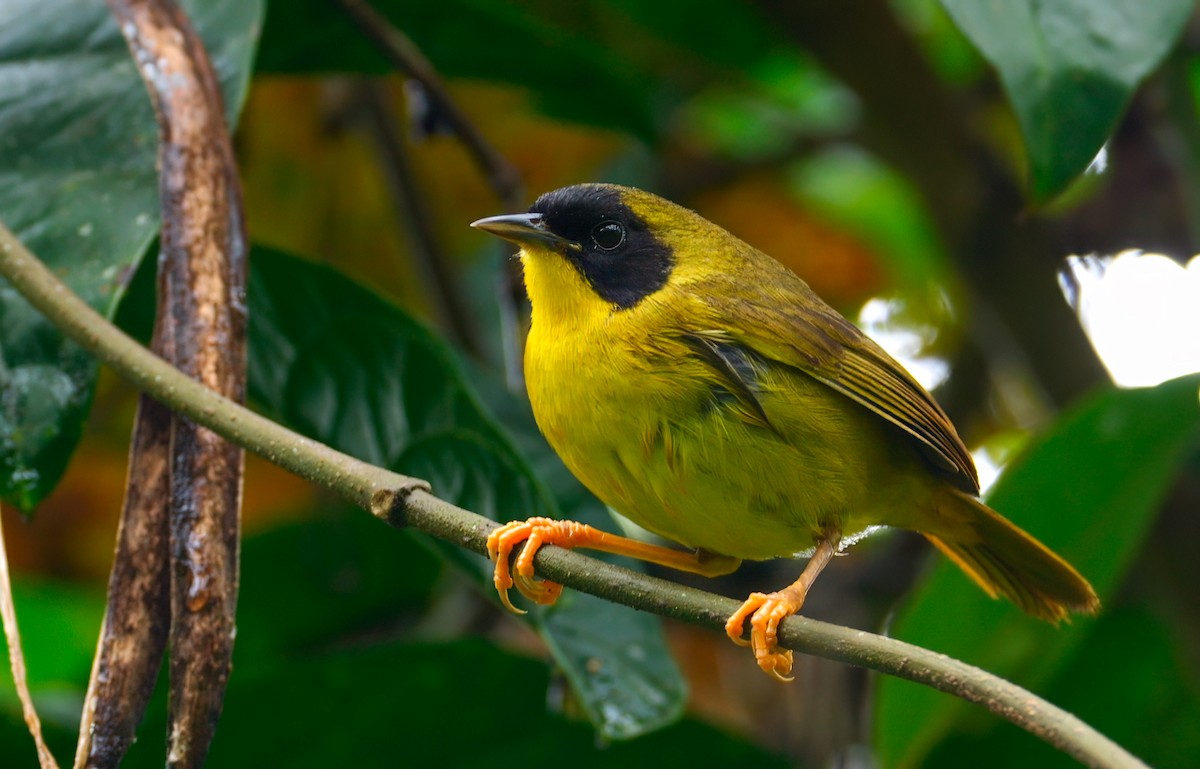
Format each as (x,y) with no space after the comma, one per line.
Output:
(1004,560)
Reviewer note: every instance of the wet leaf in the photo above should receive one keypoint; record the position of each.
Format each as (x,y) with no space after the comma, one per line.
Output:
(1069,69)
(78,186)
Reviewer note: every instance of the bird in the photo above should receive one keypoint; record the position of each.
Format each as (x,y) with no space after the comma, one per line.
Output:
(701,389)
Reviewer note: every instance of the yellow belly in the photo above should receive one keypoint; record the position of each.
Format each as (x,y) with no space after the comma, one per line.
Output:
(646,434)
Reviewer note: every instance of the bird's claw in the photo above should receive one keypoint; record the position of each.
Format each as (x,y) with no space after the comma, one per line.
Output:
(534,532)
(765,611)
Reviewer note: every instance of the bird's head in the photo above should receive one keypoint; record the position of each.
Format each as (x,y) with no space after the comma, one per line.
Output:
(601,248)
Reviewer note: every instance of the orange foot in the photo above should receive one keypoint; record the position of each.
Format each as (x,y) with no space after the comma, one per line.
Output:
(534,532)
(766,611)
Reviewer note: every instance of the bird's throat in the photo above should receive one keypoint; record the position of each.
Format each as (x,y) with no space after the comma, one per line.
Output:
(559,293)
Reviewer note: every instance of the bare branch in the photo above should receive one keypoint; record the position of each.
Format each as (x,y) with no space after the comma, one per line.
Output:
(137,613)
(201,328)
(407,57)
(502,175)
(410,204)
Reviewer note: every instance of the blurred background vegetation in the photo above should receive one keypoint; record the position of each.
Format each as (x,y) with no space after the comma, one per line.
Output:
(920,164)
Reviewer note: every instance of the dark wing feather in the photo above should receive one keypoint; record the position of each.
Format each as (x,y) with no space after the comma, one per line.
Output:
(733,369)
(781,319)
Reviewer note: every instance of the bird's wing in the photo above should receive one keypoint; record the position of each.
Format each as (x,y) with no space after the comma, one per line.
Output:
(733,370)
(784,321)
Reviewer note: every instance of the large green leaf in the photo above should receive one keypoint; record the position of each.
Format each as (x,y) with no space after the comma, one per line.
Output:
(1127,680)
(338,363)
(1069,68)
(341,365)
(78,185)
(1088,488)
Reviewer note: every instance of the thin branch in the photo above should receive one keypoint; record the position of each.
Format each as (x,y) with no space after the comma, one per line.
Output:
(502,175)
(410,205)
(16,658)
(403,501)
(407,57)
(356,481)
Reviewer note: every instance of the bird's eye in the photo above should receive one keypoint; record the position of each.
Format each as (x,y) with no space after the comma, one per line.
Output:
(608,236)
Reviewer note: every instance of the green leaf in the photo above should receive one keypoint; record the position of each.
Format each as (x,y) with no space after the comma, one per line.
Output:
(341,365)
(1089,489)
(78,186)
(569,75)
(1126,680)
(1069,69)
(465,704)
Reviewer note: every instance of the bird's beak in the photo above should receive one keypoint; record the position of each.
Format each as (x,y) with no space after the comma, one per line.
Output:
(524,229)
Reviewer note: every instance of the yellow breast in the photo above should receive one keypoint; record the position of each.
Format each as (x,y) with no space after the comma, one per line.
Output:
(644,425)
(633,416)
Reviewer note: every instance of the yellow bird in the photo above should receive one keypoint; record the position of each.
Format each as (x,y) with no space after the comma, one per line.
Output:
(700,388)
